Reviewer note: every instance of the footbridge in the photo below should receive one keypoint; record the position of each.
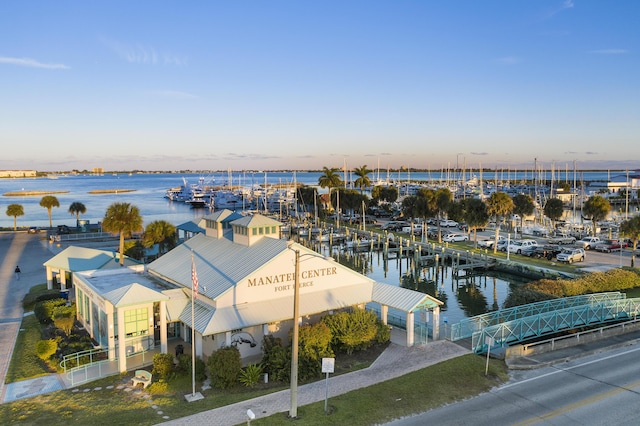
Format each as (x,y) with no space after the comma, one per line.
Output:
(522,323)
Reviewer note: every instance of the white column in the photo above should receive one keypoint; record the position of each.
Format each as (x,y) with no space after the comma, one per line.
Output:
(436,323)
(63,279)
(163,327)
(49,278)
(227,338)
(410,324)
(122,345)
(384,314)
(111,331)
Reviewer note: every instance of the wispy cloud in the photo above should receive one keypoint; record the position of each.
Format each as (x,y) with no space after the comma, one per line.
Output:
(566,4)
(173,94)
(479,153)
(31,63)
(510,60)
(610,51)
(141,54)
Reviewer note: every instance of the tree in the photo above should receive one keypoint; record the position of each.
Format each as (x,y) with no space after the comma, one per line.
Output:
(475,215)
(553,209)
(76,208)
(523,205)
(499,205)
(15,210)
(330,178)
(49,202)
(162,233)
(363,180)
(596,208)
(388,194)
(631,229)
(123,219)
(442,201)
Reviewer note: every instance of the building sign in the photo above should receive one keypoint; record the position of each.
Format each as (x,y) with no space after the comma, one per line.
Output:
(284,282)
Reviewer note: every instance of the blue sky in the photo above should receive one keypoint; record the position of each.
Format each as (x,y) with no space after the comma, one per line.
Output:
(218,85)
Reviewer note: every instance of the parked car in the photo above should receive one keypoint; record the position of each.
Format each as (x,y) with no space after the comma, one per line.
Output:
(607,246)
(464,227)
(571,255)
(588,243)
(33,230)
(518,245)
(449,238)
(529,251)
(488,243)
(448,223)
(63,229)
(562,239)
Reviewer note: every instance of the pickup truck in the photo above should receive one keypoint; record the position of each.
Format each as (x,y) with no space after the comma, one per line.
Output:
(588,243)
(488,243)
(562,239)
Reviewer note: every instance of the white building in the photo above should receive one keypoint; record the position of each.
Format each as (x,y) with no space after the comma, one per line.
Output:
(246,277)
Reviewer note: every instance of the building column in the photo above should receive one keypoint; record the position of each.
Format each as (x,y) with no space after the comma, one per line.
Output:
(436,323)
(384,314)
(163,327)
(49,278)
(122,344)
(63,279)
(410,325)
(111,331)
(227,339)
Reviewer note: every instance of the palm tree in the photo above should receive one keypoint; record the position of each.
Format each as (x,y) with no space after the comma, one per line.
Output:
(475,215)
(553,209)
(162,233)
(363,180)
(49,202)
(15,210)
(329,179)
(596,208)
(631,229)
(77,208)
(122,218)
(499,205)
(443,198)
(523,205)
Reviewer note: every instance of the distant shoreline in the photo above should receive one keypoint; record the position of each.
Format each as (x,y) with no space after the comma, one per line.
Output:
(37,193)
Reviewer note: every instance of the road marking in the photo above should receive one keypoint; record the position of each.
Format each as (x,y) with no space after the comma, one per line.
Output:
(568,368)
(579,404)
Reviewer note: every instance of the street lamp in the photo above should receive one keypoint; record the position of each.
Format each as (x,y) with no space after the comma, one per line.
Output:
(293,411)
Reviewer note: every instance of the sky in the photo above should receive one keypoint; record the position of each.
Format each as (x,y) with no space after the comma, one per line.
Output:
(299,85)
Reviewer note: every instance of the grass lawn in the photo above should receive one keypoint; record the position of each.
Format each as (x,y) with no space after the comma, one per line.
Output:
(449,381)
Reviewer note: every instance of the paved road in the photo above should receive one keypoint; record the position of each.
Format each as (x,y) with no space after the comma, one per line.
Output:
(600,389)
(29,252)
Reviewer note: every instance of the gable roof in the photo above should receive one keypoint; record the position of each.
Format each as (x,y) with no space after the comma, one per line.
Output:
(220,263)
(256,220)
(403,299)
(75,259)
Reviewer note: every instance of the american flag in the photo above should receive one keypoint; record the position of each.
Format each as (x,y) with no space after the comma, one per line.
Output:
(194,278)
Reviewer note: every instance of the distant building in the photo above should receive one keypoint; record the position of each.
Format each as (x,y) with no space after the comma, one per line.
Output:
(97,170)
(17,173)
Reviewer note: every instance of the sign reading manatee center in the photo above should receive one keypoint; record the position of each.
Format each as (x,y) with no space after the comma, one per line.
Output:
(284,282)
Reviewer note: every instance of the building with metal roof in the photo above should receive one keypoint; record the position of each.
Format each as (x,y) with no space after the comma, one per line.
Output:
(231,285)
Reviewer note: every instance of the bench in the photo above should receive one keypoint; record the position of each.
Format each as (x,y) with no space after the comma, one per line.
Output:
(142,376)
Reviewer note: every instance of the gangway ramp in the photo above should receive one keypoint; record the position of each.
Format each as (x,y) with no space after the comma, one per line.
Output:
(531,327)
(465,328)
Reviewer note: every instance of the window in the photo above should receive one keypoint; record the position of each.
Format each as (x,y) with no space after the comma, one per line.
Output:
(136,322)
(80,304)
(273,229)
(261,230)
(254,231)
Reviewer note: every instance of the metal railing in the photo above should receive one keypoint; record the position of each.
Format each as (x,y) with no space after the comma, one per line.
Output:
(465,328)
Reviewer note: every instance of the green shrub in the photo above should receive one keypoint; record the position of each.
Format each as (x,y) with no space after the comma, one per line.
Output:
(250,375)
(353,331)
(45,349)
(65,324)
(44,310)
(384,333)
(184,366)
(162,365)
(64,311)
(224,367)
(276,360)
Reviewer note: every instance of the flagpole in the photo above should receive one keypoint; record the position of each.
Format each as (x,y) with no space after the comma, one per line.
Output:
(193,326)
